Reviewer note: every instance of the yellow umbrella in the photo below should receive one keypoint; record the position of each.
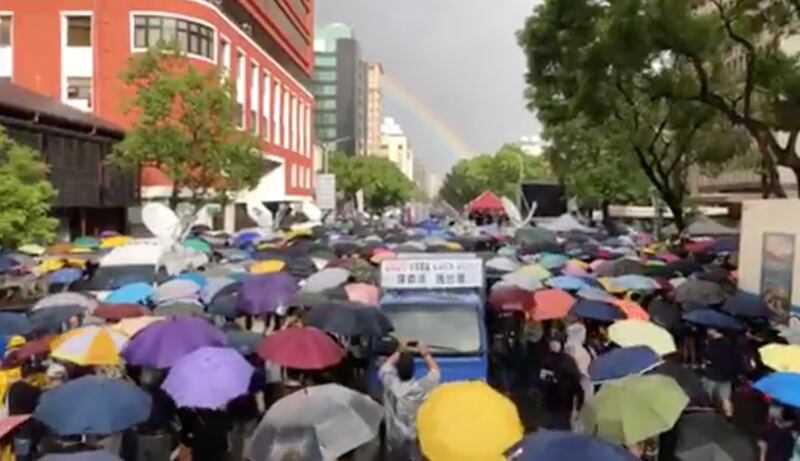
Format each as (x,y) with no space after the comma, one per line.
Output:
(579,263)
(628,333)
(81,250)
(266,246)
(270,266)
(454,246)
(89,346)
(535,270)
(297,233)
(781,357)
(116,241)
(49,265)
(467,421)
(130,327)
(32,249)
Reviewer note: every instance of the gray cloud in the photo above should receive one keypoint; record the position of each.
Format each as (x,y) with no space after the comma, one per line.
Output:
(459,57)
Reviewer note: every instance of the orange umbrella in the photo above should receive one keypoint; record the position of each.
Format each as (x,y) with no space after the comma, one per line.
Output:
(552,304)
(363,293)
(631,309)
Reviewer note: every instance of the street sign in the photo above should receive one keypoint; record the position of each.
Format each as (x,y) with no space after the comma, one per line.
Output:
(438,273)
(326,191)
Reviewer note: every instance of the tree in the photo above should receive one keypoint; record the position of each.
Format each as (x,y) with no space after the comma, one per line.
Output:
(501,173)
(25,195)
(381,181)
(186,125)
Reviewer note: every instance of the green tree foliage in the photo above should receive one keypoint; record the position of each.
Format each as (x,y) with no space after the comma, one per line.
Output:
(25,195)
(500,173)
(383,183)
(186,122)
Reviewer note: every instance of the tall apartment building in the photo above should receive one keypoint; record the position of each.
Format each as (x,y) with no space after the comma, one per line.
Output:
(340,90)
(374,110)
(74,51)
(395,147)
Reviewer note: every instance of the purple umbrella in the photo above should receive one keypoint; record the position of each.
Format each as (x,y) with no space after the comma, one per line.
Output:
(264,293)
(209,377)
(163,343)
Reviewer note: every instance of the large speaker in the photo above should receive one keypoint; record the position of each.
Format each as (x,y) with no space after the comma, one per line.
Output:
(551,199)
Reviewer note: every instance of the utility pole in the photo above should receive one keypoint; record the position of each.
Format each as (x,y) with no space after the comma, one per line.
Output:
(327,148)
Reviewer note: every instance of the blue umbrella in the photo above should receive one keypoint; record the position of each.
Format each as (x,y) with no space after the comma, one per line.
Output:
(552,260)
(623,362)
(746,305)
(133,293)
(783,387)
(234,254)
(568,283)
(99,455)
(635,283)
(597,310)
(224,305)
(8,263)
(64,276)
(595,294)
(246,239)
(559,446)
(194,277)
(724,245)
(713,319)
(93,406)
(14,324)
(50,319)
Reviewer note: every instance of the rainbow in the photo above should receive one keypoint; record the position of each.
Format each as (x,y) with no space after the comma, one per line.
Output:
(421,110)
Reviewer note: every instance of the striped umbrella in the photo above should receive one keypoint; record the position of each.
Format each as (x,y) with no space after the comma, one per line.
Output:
(90,346)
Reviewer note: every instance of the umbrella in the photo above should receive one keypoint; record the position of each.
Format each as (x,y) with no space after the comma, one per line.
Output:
(687,380)
(176,289)
(552,260)
(215,286)
(502,264)
(326,279)
(90,346)
(534,235)
(534,270)
(363,293)
(634,282)
(65,299)
(116,241)
(52,318)
(131,326)
(781,357)
(319,423)
(86,242)
(620,267)
(713,319)
(594,294)
(64,276)
(781,386)
(245,342)
(623,362)
(32,249)
(98,455)
(14,324)
(224,305)
(265,293)
(567,282)
(199,279)
(560,446)
(746,305)
(699,291)
(93,406)
(348,319)
(163,343)
(209,377)
(511,298)
(301,348)
(597,310)
(116,312)
(634,409)
(552,304)
(664,314)
(132,293)
(467,420)
(628,333)
(9,423)
(706,435)
(38,348)
(199,245)
(179,309)
(521,280)
(269,266)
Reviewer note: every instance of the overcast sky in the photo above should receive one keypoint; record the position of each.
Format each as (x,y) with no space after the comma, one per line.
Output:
(459,57)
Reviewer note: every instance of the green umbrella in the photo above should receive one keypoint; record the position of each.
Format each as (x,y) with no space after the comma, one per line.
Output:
(198,245)
(531,235)
(86,242)
(634,409)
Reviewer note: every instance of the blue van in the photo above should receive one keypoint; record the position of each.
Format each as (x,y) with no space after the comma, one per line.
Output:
(437,299)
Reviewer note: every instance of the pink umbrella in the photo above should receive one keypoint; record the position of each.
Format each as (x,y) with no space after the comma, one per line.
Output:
(301,348)
(363,293)
(596,263)
(10,423)
(573,269)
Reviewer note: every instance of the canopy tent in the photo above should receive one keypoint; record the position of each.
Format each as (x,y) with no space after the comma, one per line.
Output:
(703,226)
(487,202)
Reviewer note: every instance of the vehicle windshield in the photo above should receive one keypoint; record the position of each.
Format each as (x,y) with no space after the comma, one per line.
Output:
(112,277)
(445,329)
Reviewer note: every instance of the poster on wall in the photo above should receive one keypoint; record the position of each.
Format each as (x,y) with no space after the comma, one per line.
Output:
(777,270)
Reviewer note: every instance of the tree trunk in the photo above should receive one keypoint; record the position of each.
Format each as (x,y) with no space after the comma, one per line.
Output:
(174,198)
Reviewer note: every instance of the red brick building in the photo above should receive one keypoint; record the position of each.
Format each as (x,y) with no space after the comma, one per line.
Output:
(74,50)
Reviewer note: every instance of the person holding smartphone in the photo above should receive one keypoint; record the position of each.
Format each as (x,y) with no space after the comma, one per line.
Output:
(403,396)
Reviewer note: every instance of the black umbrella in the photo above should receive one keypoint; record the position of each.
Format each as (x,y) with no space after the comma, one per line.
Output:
(50,319)
(300,266)
(687,380)
(746,305)
(348,318)
(708,436)
(684,267)
(665,314)
(224,305)
(699,291)
(540,247)
(621,267)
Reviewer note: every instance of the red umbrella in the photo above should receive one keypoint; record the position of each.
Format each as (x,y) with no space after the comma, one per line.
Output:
(511,298)
(363,293)
(552,304)
(116,312)
(38,348)
(301,348)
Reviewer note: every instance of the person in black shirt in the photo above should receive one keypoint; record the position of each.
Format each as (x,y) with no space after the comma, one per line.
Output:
(722,367)
(777,441)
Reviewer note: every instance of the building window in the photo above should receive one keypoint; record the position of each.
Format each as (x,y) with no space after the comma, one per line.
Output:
(329,104)
(286,113)
(326,76)
(5,31)
(295,138)
(265,107)
(326,118)
(79,89)
(325,60)
(301,119)
(240,90)
(325,90)
(79,31)
(191,37)
(225,58)
(276,135)
(255,81)
(294,176)
(307,134)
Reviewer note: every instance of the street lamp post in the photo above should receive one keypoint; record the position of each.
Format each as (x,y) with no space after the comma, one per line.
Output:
(326,151)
